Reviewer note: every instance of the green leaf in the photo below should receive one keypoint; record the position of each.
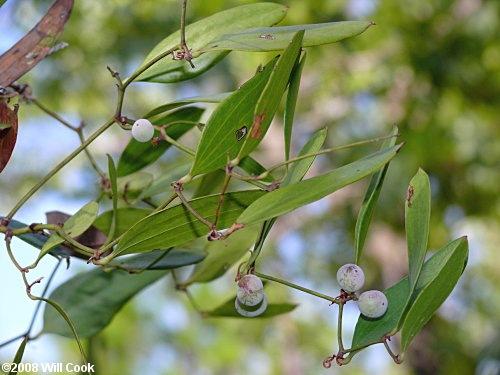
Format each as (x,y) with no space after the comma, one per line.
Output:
(20,351)
(163,183)
(288,198)
(91,299)
(159,260)
(434,275)
(200,33)
(234,113)
(5,126)
(221,255)
(138,155)
(271,96)
(299,169)
(291,102)
(176,225)
(215,98)
(34,239)
(370,201)
(125,218)
(114,192)
(417,218)
(276,38)
(253,167)
(438,282)
(210,183)
(74,226)
(227,310)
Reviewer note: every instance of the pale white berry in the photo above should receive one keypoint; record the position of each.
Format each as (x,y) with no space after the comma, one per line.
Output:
(372,304)
(142,130)
(250,290)
(350,277)
(251,313)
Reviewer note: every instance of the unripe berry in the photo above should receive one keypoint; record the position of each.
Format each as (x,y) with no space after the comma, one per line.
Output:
(350,277)
(142,130)
(372,304)
(250,290)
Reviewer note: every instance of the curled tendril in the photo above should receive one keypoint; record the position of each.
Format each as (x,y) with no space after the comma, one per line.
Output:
(327,363)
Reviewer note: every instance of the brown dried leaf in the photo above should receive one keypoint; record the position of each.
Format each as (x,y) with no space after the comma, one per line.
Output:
(35,45)
(8,136)
(92,237)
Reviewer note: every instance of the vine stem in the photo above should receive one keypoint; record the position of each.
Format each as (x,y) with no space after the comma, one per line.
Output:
(78,130)
(339,327)
(183,22)
(58,167)
(295,286)
(122,86)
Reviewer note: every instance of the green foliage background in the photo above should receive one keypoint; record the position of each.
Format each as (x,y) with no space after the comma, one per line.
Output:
(432,67)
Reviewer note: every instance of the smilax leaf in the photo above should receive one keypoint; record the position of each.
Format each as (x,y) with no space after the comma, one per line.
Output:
(234,113)
(176,225)
(370,201)
(91,299)
(288,198)
(417,218)
(438,277)
(276,38)
(200,33)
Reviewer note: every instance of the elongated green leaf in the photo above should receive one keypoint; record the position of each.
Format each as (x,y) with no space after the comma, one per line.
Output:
(125,218)
(114,192)
(439,282)
(74,226)
(19,353)
(433,272)
(200,33)
(291,102)
(138,155)
(299,169)
(227,310)
(221,255)
(163,183)
(211,183)
(176,225)
(276,38)
(5,126)
(253,167)
(295,174)
(216,98)
(271,96)
(159,260)
(370,201)
(234,113)
(288,198)
(417,218)
(92,299)
(34,239)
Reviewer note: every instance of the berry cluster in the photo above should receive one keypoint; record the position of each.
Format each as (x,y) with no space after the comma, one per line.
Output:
(372,303)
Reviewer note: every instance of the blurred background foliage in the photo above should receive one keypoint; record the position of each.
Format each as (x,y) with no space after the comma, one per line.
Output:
(432,67)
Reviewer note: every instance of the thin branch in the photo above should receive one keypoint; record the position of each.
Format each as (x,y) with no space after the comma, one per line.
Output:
(178,191)
(295,286)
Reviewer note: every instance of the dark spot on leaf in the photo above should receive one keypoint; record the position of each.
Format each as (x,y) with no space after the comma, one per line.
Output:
(240,133)
(411,192)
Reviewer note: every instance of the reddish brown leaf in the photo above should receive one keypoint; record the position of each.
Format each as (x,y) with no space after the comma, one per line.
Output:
(35,45)
(8,136)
